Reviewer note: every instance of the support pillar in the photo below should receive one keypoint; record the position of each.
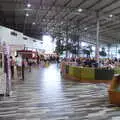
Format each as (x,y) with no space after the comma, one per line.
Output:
(67,41)
(108,51)
(78,53)
(116,50)
(97,36)
(109,47)
(24,23)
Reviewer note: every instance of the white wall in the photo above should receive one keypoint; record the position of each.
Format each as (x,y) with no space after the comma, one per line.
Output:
(5,35)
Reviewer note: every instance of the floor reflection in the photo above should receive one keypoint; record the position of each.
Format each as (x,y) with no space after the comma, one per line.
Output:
(44,95)
(51,86)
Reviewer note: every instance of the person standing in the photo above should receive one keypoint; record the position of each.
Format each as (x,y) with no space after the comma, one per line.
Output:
(38,59)
(23,68)
(12,67)
(29,61)
(19,66)
(58,60)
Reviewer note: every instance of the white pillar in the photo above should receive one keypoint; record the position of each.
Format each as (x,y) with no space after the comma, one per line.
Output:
(116,50)
(67,41)
(97,36)
(109,52)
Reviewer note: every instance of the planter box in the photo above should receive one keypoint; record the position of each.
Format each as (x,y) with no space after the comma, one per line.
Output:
(87,74)
(77,72)
(67,69)
(104,74)
(117,70)
(71,71)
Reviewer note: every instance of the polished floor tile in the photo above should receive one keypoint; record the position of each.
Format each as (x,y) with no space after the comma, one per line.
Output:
(45,95)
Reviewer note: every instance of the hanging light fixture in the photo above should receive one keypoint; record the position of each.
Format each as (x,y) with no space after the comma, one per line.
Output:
(80,10)
(28,5)
(85,28)
(110,15)
(34,23)
(27,14)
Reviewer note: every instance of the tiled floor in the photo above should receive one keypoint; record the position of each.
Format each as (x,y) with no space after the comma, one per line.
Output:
(44,95)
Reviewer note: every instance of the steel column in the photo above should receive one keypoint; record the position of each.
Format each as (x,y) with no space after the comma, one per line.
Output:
(97,36)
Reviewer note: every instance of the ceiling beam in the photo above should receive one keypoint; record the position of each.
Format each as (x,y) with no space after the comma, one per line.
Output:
(107,5)
(94,4)
(57,13)
(53,4)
